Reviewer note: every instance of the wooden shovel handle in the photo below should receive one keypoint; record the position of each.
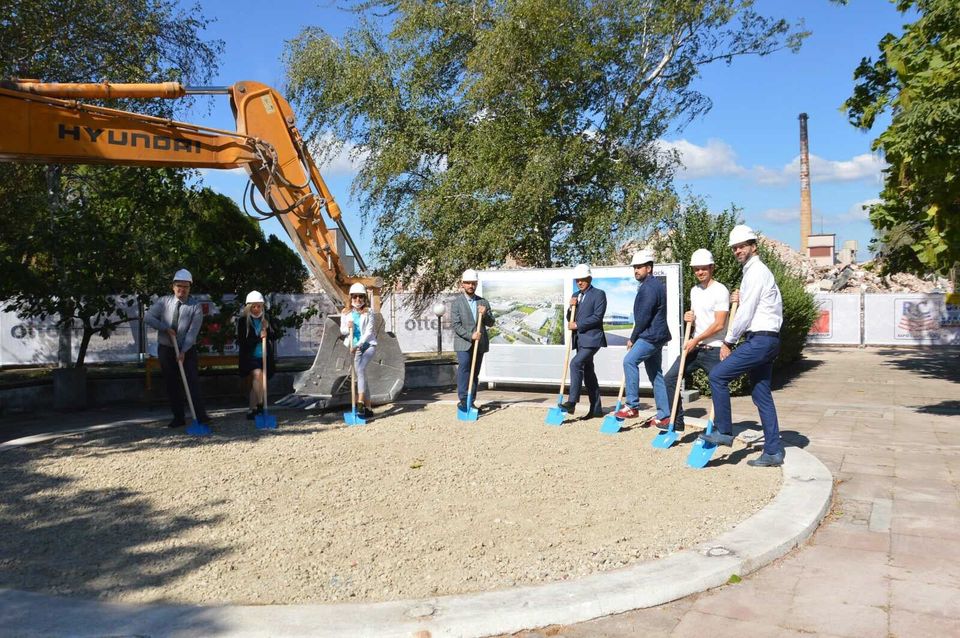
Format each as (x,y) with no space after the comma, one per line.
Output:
(683,361)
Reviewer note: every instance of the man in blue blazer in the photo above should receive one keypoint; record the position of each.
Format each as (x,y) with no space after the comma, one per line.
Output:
(585,316)
(650,334)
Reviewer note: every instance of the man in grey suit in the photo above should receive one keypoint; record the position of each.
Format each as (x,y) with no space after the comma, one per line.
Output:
(470,317)
(178,317)
(587,308)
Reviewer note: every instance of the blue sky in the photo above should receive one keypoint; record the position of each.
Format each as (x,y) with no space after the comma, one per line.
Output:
(745,151)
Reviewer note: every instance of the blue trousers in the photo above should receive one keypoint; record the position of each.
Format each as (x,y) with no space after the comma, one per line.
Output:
(464,358)
(582,372)
(705,359)
(754,356)
(651,357)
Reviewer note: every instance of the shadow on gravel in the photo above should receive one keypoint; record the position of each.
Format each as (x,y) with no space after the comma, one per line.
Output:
(948,408)
(933,363)
(92,545)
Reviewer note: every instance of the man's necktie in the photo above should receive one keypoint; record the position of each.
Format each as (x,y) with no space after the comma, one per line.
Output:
(176,316)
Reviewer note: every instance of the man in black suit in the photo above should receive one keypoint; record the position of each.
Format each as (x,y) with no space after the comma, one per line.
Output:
(585,319)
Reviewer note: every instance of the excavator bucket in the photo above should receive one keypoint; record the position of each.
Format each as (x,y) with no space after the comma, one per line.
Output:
(327,383)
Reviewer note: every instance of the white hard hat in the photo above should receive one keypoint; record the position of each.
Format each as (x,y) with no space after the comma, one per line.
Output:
(581,271)
(701,257)
(469,275)
(254,297)
(358,289)
(741,233)
(183,275)
(645,256)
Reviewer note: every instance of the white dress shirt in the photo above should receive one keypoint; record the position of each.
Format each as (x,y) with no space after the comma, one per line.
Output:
(761,307)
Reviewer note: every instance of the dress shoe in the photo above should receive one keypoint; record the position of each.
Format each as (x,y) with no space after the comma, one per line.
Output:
(568,407)
(767,460)
(626,412)
(251,414)
(715,438)
(593,414)
(462,407)
(176,423)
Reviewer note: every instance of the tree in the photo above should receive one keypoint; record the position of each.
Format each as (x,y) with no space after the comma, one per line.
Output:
(691,227)
(75,235)
(916,78)
(521,128)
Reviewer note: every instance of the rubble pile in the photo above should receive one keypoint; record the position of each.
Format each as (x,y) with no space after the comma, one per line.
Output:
(848,278)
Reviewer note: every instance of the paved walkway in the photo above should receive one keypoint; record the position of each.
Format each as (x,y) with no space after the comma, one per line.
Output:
(886,562)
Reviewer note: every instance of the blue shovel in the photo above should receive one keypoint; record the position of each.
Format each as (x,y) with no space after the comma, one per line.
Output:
(471,413)
(611,424)
(265,421)
(555,415)
(702,452)
(195,428)
(351,417)
(668,438)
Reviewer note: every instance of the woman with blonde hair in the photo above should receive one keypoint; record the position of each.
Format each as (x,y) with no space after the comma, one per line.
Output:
(252,326)
(357,326)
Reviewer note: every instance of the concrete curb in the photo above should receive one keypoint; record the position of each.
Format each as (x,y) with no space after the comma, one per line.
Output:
(787,521)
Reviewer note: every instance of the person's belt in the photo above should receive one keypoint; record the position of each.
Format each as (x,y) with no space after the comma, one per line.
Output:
(762,333)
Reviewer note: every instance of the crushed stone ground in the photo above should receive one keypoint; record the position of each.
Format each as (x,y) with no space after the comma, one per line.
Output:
(413,504)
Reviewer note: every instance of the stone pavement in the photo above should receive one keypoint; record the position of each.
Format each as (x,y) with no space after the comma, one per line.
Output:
(886,561)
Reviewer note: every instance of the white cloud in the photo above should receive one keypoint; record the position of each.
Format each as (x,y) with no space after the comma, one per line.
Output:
(716,158)
(781,215)
(719,158)
(348,160)
(857,212)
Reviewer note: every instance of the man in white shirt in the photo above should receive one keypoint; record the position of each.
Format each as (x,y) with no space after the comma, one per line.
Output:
(758,319)
(178,317)
(709,308)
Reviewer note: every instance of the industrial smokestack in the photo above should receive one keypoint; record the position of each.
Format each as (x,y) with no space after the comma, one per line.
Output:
(806,213)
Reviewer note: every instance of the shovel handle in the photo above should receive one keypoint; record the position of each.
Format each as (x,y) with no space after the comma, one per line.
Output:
(623,385)
(263,344)
(683,361)
(183,377)
(566,359)
(473,362)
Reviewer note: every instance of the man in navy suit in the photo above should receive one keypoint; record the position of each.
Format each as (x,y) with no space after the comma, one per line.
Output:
(585,316)
(650,334)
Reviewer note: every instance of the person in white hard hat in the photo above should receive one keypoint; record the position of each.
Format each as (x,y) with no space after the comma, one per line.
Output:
(470,316)
(358,327)
(585,319)
(252,326)
(758,320)
(178,317)
(709,309)
(650,333)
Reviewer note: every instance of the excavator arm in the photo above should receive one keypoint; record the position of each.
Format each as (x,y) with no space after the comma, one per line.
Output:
(47,122)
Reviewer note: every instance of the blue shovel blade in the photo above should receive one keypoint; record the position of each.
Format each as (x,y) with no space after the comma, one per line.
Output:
(198,429)
(611,424)
(555,416)
(665,439)
(265,422)
(700,453)
(352,418)
(470,414)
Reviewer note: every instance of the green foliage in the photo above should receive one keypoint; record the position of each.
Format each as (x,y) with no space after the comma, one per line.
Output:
(692,227)
(916,78)
(528,129)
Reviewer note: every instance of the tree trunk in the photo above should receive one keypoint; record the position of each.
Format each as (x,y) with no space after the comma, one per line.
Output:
(84,342)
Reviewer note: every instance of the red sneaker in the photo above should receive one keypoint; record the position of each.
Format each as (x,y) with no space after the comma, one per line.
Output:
(626,412)
(660,424)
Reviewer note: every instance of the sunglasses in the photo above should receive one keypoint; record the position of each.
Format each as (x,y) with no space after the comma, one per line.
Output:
(358,296)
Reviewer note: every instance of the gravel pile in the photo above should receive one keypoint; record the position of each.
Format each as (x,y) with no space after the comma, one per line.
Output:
(414,504)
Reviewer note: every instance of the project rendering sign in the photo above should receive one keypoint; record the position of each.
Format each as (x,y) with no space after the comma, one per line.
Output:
(529,341)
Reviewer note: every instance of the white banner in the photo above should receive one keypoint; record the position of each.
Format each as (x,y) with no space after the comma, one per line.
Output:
(839,320)
(528,342)
(911,319)
(417,332)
